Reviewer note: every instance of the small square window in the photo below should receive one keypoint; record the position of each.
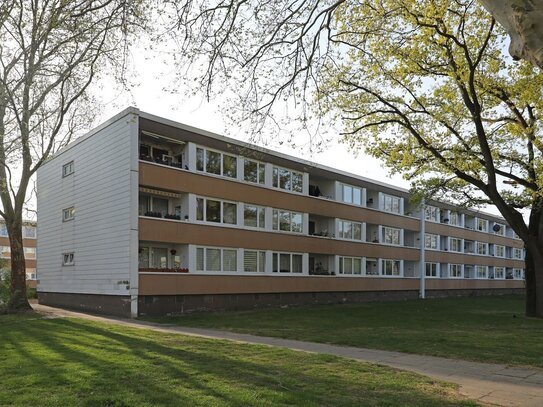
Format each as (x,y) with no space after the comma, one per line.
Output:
(68,169)
(68,214)
(68,259)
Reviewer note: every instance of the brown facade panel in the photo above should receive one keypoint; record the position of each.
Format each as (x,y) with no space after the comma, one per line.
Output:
(158,230)
(97,303)
(178,180)
(461,233)
(176,284)
(460,258)
(4,241)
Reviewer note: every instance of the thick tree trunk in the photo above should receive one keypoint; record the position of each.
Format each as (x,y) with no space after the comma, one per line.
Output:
(534,262)
(18,299)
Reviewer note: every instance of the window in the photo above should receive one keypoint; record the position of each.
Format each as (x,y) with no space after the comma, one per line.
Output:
(350,194)
(149,205)
(482,248)
(431,269)
(287,179)
(391,267)
(350,265)
(254,216)
(500,231)
(212,210)
(454,219)
(30,252)
(159,258)
(216,259)
(287,221)
(143,257)
(254,261)
(391,204)
(482,225)
(431,213)
(215,162)
(499,272)
(29,232)
(254,171)
(349,230)
(431,241)
(30,274)
(3,230)
(499,251)
(68,259)
(455,245)
(287,263)
(518,274)
(481,271)
(68,169)
(68,214)
(517,253)
(455,270)
(391,235)
(5,252)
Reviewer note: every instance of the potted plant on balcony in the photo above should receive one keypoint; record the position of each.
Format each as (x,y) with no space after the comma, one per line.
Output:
(172,216)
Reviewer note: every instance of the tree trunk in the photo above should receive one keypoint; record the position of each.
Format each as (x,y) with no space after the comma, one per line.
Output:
(534,263)
(18,300)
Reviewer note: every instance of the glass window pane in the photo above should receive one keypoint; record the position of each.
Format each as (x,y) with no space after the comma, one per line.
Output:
(275,219)
(357,197)
(199,159)
(297,181)
(230,260)
(199,209)
(249,261)
(29,232)
(348,265)
(357,231)
(275,263)
(348,230)
(297,262)
(213,259)
(357,266)
(261,173)
(159,257)
(275,177)
(213,211)
(284,263)
(160,205)
(297,222)
(229,166)
(341,228)
(347,194)
(250,215)
(262,262)
(284,220)
(143,257)
(213,162)
(143,204)
(230,213)
(261,217)
(284,179)
(250,171)
(200,258)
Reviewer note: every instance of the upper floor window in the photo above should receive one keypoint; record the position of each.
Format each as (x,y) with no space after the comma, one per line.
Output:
(351,194)
(211,210)
(152,206)
(287,179)
(391,235)
(3,230)
(482,248)
(254,216)
(215,162)
(215,259)
(68,214)
(455,245)
(499,251)
(517,253)
(454,219)
(455,270)
(391,203)
(287,221)
(254,171)
(350,265)
(431,213)
(482,225)
(431,241)
(287,263)
(30,252)
(500,231)
(68,259)
(431,269)
(29,232)
(254,261)
(68,169)
(391,267)
(349,230)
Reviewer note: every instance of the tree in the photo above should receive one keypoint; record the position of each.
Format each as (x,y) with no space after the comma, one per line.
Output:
(51,51)
(424,85)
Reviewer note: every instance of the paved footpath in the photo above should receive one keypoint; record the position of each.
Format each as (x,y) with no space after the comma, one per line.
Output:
(491,384)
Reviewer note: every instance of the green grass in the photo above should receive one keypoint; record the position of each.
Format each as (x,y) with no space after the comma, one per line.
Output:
(488,329)
(72,362)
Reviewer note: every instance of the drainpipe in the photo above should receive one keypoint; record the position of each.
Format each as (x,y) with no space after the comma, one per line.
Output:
(422,293)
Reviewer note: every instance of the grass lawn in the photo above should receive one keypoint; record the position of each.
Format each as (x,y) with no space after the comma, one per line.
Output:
(489,329)
(72,362)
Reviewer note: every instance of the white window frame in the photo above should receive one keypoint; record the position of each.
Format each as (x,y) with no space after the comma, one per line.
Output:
(291,254)
(26,228)
(501,231)
(518,274)
(221,173)
(221,220)
(276,183)
(260,261)
(497,270)
(481,247)
(343,261)
(456,271)
(276,222)
(341,229)
(258,210)
(481,272)
(68,259)
(431,213)
(221,250)
(68,214)
(517,253)
(455,239)
(502,249)
(434,266)
(259,164)
(481,225)
(352,194)
(431,238)
(68,169)
(454,218)
(390,234)
(388,203)
(392,262)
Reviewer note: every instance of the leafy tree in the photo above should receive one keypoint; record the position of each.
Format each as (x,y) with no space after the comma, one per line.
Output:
(50,53)
(424,85)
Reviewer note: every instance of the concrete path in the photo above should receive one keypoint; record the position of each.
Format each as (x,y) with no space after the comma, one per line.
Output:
(487,383)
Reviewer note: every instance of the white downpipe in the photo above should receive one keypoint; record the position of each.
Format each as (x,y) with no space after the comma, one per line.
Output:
(422,293)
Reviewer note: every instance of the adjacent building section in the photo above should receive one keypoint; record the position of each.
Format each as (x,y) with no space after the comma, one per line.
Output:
(149,216)
(29,245)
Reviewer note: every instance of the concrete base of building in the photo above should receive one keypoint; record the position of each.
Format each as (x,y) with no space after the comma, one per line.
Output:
(116,305)
(474,292)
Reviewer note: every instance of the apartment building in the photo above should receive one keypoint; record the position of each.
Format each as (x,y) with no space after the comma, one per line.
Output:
(29,244)
(146,216)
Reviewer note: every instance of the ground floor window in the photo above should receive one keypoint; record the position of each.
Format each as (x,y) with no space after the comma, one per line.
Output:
(216,259)
(499,272)
(431,269)
(391,267)
(518,274)
(350,265)
(455,270)
(254,261)
(481,272)
(287,263)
